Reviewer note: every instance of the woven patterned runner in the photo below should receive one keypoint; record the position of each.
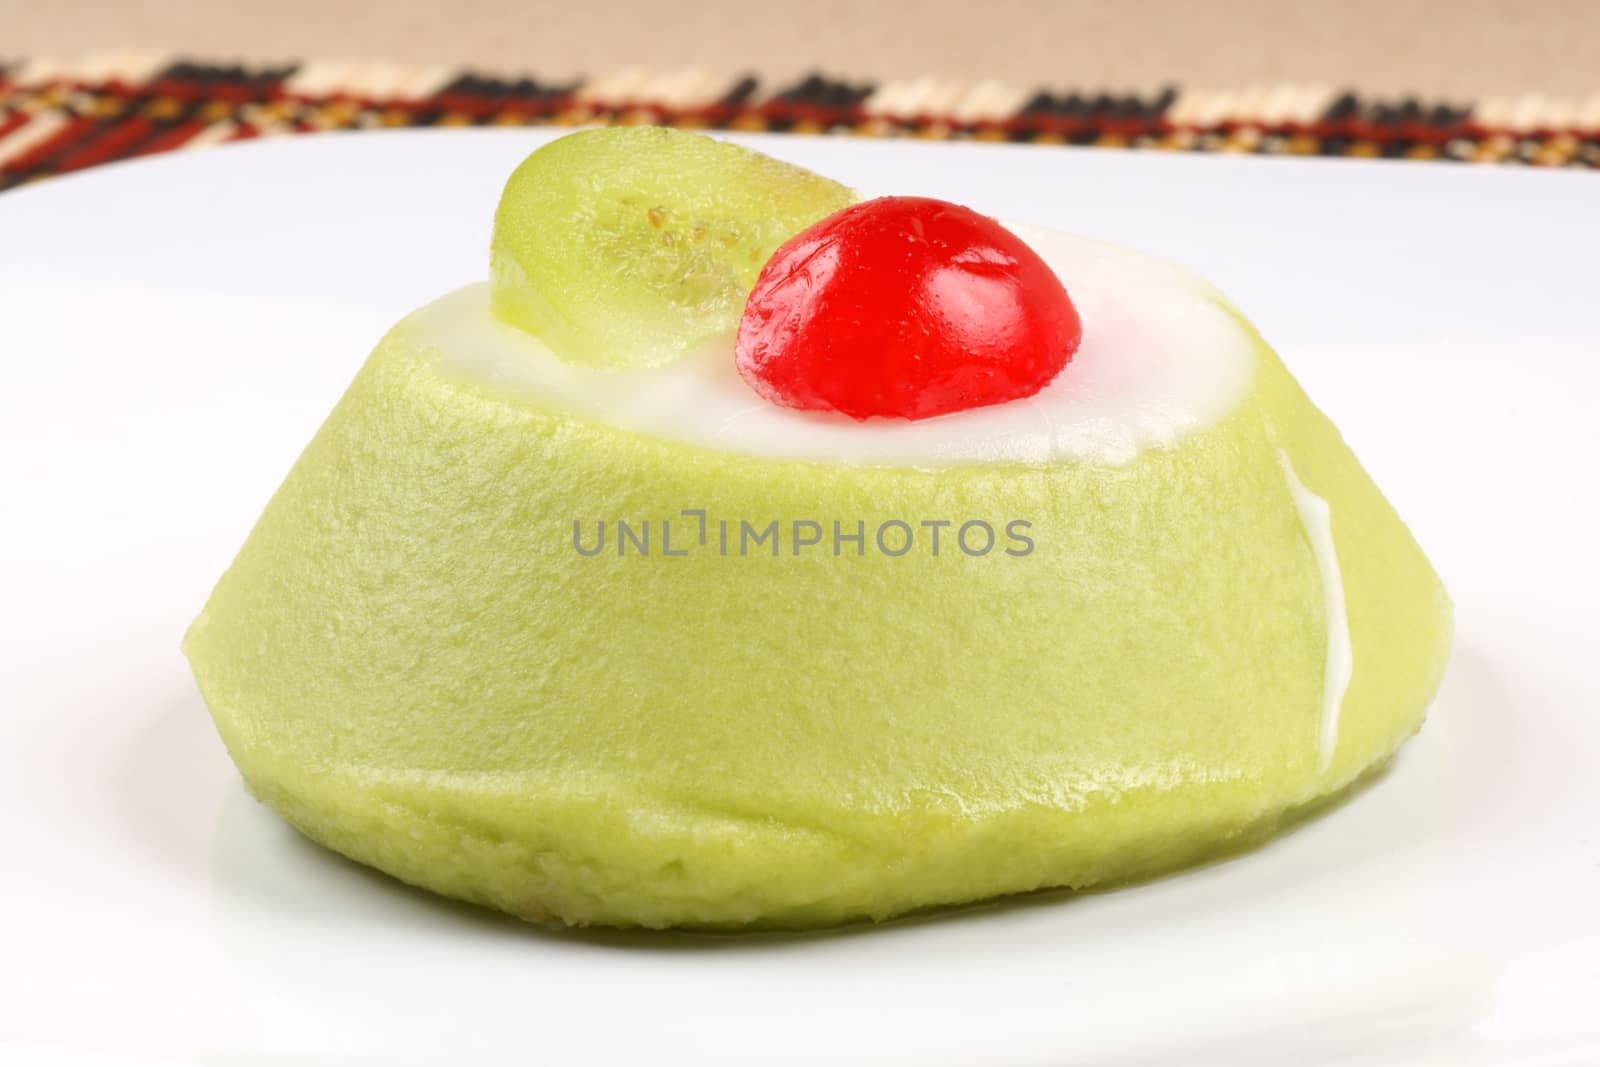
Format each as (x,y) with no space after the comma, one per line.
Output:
(60,117)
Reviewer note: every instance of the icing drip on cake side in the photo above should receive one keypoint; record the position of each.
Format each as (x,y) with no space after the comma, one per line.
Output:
(1317,519)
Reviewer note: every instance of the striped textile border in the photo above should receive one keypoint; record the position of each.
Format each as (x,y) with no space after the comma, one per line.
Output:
(57,117)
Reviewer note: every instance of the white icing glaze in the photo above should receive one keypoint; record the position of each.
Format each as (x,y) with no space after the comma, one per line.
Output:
(1317,519)
(1161,357)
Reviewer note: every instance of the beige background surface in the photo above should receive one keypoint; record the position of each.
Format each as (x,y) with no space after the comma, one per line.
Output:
(1456,49)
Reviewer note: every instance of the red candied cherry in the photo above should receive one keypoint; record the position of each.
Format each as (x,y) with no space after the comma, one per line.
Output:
(908,308)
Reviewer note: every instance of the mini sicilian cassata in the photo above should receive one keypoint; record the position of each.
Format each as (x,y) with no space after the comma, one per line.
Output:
(1219,622)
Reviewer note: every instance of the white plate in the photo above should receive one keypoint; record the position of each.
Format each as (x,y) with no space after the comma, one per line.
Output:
(171,333)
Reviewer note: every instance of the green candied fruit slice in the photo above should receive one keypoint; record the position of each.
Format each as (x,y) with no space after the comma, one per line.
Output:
(628,246)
